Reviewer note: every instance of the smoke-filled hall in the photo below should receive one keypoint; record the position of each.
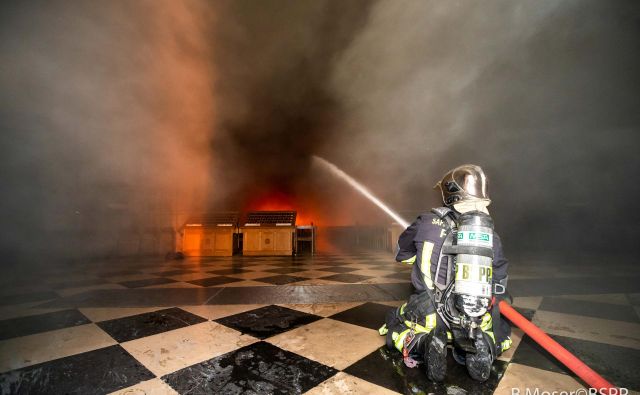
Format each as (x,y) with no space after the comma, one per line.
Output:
(319,197)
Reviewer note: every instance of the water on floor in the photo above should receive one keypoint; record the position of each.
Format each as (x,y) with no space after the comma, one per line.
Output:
(282,325)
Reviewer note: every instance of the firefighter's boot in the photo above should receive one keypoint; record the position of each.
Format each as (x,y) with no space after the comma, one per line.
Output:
(436,354)
(479,363)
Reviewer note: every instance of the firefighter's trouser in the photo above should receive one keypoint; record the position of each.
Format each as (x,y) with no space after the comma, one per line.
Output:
(418,317)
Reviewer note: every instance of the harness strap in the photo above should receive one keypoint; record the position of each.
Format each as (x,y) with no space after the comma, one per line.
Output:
(448,216)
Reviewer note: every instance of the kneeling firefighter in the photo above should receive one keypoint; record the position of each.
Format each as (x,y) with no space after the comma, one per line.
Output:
(459,275)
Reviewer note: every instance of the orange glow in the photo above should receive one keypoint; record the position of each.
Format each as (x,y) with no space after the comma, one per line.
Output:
(309,210)
(277,201)
(272,201)
(320,210)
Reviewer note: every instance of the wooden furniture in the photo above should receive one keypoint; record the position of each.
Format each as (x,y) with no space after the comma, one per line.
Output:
(269,233)
(210,234)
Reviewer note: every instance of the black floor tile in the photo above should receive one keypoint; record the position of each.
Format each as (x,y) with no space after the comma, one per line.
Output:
(190,266)
(145,297)
(386,369)
(281,279)
(290,264)
(136,297)
(399,291)
(617,364)
(335,263)
(147,324)
(346,277)
(526,313)
(78,283)
(574,286)
(175,272)
(28,297)
(267,321)
(634,298)
(389,262)
(368,266)
(303,260)
(147,282)
(531,354)
(333,293)
(213,281)
(152,265)
(339,269)
(590,309)
(286,270)
(399,268)
(590,270)
(400,276)
(369,315)
(224,272)
(95,372)
(30,325)
(260,368)
(250,265)
(114,273)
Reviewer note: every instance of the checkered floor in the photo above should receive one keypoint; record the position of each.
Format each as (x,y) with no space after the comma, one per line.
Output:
(286,325)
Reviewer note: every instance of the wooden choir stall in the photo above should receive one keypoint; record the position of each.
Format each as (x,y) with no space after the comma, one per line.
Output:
(269,233)
(210,234)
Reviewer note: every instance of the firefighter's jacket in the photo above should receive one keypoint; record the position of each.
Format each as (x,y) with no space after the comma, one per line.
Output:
(421,243)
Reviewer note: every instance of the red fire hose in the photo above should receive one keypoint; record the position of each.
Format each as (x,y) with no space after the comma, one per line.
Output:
(593,379)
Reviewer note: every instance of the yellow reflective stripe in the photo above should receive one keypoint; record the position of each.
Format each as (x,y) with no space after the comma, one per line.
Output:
(429,324)
(430,321)
(425,267)
(486,325)
(398,339)
(487,322)
(506,344)
(402,308)
(383,330)
(409,261)
(449,335)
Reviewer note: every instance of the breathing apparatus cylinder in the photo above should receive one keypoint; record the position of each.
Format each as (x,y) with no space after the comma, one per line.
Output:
(473,264)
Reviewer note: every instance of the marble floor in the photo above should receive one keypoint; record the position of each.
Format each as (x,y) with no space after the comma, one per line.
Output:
(260,325)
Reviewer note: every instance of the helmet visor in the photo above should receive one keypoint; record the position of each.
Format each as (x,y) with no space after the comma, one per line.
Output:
(472,180)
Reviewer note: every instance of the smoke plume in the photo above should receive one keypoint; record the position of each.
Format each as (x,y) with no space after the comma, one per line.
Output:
(539,93)
(275,61)
(107,112)
(122,118)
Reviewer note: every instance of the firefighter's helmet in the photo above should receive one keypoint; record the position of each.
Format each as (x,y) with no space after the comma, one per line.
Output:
(466,183)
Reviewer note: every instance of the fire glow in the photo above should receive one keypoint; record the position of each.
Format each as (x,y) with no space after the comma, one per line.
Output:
(277,200)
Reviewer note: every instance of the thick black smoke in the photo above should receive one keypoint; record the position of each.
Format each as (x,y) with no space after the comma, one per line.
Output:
(276,109)
(119,118)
